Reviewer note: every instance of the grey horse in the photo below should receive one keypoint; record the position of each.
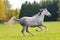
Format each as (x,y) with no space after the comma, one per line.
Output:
(34,21)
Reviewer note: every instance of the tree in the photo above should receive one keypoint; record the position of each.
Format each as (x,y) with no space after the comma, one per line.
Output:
(53,8)
(11,14)
(7,7)
(29,9)
(23,10)
(58,9)
(2,11)
(17,11)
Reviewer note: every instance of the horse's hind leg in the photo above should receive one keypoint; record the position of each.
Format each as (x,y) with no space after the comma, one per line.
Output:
(24,27)
(28,31)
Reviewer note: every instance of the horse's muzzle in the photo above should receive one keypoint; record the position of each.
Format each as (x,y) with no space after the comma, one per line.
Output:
(49,15)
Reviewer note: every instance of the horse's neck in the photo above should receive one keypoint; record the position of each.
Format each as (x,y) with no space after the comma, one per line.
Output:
(41,17)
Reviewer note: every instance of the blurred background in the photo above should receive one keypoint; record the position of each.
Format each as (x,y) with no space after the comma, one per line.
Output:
(21,8)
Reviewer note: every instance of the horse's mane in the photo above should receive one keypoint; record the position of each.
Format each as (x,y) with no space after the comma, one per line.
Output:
(39,13)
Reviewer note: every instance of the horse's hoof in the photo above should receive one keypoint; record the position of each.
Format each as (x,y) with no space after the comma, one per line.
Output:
(36,30)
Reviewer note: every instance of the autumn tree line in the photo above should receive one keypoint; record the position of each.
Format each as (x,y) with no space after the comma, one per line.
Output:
(30,9)
(6,12)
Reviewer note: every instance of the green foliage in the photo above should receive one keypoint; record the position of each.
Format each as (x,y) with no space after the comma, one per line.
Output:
(17,11)
(11,13)
(53,8)
(30,9)
(58,9)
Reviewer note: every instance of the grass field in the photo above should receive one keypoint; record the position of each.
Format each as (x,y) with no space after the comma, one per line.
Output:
(13,32)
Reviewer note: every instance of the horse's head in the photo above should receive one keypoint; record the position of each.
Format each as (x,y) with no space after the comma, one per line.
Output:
(46,12)
(42,12)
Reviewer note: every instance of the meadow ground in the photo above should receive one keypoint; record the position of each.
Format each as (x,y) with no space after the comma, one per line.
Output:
(13,32)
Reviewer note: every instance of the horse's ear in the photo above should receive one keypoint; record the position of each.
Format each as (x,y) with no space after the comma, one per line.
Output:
(40,12)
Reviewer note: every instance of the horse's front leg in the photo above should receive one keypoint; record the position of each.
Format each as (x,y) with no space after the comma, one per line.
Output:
(28,31)
(40,29)
(45,28)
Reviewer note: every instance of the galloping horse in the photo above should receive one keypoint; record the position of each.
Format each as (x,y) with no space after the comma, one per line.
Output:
(34,21)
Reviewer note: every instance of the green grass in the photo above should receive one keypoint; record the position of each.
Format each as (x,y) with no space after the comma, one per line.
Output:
(13,32)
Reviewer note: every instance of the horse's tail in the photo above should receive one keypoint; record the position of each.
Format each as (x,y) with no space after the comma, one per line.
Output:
(18,20)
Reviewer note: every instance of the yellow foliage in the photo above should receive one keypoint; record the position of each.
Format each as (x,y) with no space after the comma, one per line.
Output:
(2,11)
